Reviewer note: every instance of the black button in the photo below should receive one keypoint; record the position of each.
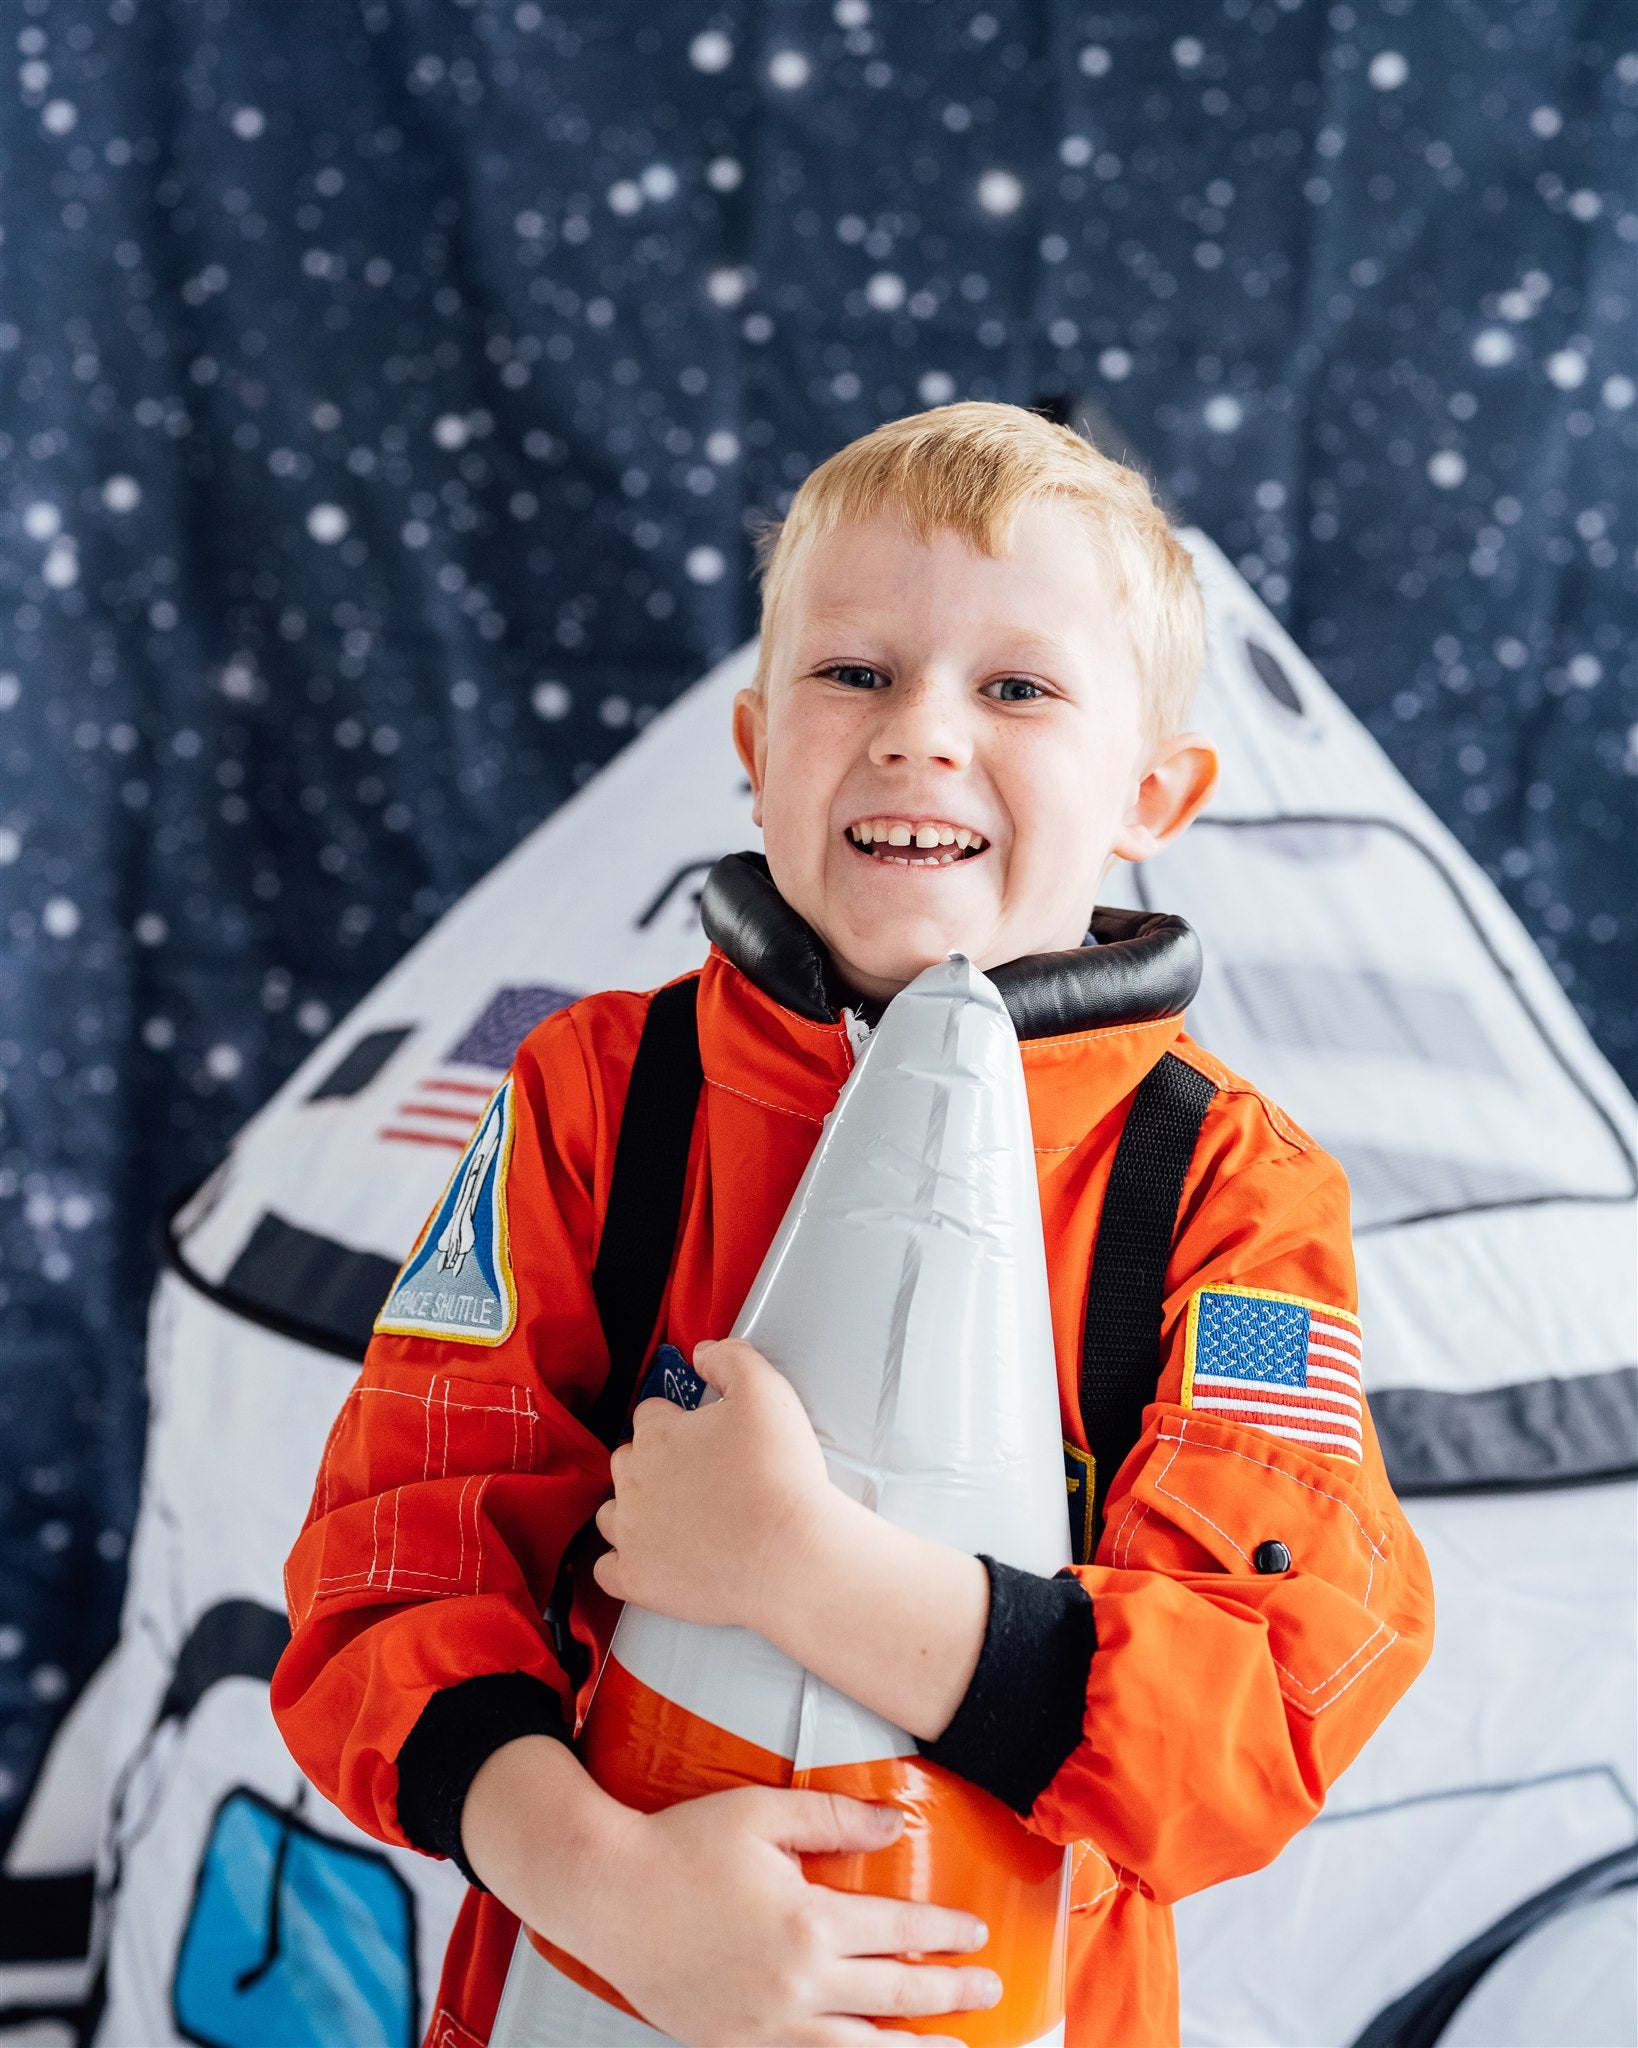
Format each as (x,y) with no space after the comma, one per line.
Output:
(1272,1557)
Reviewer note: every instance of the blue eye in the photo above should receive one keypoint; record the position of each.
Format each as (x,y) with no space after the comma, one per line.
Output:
(1010,690)
(842,671)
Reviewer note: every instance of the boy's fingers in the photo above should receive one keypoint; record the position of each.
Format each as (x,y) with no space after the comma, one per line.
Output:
(654,1413)
(822,1821)
(869,1925)
(841,2029)
(912,1991)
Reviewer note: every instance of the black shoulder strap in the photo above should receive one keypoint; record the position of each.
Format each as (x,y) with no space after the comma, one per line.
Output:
(1120,1338)
(645,1195)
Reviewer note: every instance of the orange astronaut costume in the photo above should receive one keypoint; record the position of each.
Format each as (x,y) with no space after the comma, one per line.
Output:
(1175,1708)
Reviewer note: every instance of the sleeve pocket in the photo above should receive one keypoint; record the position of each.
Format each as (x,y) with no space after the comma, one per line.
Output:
(1211,1497)
(398,1427)
(401,1492)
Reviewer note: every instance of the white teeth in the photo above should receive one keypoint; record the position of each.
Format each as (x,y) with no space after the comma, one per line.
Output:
(928,837)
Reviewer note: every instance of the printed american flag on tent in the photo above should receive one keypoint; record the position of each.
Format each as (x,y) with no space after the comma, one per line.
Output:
(1276,1362)
(442,1109)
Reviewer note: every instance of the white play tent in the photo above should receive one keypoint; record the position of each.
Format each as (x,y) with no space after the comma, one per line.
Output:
(1472,1878)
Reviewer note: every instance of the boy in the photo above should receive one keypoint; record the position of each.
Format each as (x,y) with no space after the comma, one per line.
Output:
(980,641)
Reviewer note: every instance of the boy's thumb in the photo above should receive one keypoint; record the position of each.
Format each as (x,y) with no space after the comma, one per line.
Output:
(715,1362)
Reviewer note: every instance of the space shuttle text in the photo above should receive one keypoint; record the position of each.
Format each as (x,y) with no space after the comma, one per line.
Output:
(442,1305)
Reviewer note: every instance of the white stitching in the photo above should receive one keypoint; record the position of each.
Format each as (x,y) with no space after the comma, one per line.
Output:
(779,1108)
(1233,1084)
(397,1514)
(1136,1516)
(1189,1504)
(1320,1684)
(400,1575)
(329,1448)
(1030,1045)
(1319,1706)
(406,1574)
(1325,1493)
(1085,1905)
(477,1531)
(1283,1124)
(496,1407)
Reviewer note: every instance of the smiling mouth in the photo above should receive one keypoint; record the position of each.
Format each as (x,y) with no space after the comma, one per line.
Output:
(915,843)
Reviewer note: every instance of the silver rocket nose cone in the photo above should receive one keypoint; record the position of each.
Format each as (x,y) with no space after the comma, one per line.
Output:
(905,1296)
(952,979)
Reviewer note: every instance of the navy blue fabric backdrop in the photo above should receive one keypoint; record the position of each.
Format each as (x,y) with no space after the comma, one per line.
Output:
(385,388)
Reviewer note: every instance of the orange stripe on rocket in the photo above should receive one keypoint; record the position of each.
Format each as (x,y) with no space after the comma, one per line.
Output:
(929,1379)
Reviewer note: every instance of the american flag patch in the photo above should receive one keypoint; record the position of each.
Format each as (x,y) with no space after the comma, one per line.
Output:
(1276,1362)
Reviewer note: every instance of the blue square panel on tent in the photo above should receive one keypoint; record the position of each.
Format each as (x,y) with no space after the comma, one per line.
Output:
(294,1939)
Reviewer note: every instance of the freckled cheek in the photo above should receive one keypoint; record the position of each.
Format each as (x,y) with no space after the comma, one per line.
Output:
(796,823)
(1053,853)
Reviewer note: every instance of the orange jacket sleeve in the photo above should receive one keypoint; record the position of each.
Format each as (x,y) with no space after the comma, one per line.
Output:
(1184,1702)
(459,1470)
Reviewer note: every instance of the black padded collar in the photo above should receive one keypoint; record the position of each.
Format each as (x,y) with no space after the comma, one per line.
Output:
(1145,964)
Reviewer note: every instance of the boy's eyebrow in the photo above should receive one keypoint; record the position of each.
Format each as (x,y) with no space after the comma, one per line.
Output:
(1019,636)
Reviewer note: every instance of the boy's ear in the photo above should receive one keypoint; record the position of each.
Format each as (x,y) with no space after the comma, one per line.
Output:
(751,742)
(1180,777)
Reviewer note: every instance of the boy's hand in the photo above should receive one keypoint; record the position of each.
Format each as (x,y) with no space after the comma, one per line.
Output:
(713,1508)
(727,1942)
(701,1916)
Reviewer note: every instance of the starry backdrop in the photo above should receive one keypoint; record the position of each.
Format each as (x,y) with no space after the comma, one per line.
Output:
(387,389)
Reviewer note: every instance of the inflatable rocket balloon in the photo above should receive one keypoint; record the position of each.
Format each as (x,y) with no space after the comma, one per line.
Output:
(905,1299)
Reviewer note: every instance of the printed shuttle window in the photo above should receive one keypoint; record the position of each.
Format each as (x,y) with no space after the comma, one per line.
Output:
(294,1937)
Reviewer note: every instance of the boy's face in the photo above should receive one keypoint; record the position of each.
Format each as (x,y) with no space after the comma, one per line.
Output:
(979,722)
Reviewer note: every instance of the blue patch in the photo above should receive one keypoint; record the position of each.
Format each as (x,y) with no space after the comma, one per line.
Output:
(457,1283)
(670,1377)
(1249,1337)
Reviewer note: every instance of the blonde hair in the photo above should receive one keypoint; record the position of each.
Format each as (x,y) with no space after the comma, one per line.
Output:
(972,467)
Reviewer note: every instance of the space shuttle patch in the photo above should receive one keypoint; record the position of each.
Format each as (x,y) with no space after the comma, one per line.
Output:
(457,1283)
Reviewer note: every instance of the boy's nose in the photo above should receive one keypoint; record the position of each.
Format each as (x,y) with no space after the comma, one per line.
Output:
(921,722)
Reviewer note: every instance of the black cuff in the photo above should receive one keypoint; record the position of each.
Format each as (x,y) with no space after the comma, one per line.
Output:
(458,1732)
(1022,1714)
